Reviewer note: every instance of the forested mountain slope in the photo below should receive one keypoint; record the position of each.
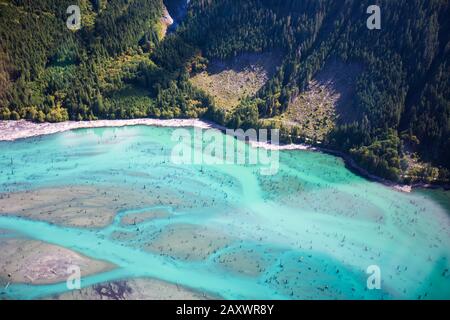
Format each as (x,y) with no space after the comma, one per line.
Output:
(403,91)
(50,73)
(117,66)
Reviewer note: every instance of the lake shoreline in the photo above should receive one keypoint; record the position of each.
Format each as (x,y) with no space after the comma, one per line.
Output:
(11,130)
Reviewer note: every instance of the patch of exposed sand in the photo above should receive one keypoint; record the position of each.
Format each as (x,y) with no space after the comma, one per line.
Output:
(12,130)
(136,218)
(188,242)
(133,289)
(245,261)
(77,206)
(36,262)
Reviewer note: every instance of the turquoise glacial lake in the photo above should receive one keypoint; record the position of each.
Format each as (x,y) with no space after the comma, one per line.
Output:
(310,231)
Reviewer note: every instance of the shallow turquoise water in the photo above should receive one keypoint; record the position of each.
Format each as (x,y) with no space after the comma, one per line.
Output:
(315,225)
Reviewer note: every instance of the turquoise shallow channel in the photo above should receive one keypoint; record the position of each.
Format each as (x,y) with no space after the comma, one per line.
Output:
(308,232)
